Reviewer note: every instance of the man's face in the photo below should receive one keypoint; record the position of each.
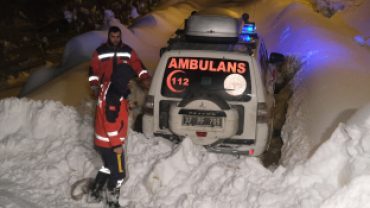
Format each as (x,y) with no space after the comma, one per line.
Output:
(115,38)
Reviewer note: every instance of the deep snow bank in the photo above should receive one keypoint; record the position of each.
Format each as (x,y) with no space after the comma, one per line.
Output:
(190,177)
(45,147)
(332,83)
(337,170)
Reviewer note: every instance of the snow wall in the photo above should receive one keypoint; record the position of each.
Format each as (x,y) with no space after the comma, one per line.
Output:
(332,83)
(45,147)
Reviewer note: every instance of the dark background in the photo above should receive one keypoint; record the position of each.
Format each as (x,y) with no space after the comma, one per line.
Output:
(34,32)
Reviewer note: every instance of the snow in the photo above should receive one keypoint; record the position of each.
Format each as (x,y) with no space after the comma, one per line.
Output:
(46,146)
(357,16)
(40,154)
(134,14)
(329,7)
(359,39)
(108,16)
(70,16)
(332,83)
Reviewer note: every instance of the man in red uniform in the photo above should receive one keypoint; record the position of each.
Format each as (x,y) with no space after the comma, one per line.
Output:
(110,135)
(113,65)
(109,55)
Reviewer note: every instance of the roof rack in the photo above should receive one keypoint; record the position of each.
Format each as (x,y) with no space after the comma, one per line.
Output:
(252,45)
(181,43)
(214,32)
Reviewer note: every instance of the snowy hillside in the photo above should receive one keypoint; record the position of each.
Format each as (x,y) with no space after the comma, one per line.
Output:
(45,146)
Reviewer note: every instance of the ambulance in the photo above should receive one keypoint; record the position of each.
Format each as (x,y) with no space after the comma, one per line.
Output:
(214,84)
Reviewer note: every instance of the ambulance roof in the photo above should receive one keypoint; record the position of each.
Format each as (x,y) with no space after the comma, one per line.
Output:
(244,47)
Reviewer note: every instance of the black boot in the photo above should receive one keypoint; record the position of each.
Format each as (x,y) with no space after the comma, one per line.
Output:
(95,193)
(113,193)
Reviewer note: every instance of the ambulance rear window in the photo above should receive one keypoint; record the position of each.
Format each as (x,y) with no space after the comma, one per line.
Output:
(228,78)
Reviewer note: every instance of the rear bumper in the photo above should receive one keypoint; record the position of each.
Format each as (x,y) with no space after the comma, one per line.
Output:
(228,151)
(172,137)
(244,146)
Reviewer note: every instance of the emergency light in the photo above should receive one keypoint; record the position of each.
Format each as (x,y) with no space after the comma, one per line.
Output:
(249,28)
(245,38)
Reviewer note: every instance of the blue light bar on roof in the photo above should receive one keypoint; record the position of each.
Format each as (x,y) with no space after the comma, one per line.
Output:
(246,38)
(249,28)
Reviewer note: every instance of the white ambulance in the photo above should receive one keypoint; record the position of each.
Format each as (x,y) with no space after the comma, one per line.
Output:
(215,84)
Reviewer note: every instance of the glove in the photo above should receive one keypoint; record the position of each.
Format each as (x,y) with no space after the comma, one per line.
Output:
(148,80)
(132,104)
(97,91)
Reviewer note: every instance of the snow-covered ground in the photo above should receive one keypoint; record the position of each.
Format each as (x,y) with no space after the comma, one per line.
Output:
(46,146)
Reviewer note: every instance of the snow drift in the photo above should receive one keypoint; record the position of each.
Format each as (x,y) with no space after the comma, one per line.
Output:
(45,147)
(332,83)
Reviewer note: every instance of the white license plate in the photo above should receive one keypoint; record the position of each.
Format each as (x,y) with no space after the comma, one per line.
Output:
(201,121)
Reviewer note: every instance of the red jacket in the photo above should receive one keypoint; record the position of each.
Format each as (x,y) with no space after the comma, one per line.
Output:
(105,58)
(111,118)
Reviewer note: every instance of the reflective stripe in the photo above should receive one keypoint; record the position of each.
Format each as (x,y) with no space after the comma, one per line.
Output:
(101,138)
(128,55)
(119,163)
(92,78)
(110,134)
(107,139)
(104,170)
(105,94)
(106,55)
(142,72)
(119,183)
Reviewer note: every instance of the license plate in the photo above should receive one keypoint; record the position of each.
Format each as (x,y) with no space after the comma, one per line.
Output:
(201,121)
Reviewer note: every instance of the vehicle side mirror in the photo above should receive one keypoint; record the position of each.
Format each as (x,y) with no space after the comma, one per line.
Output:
(276,58)
(161,51)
